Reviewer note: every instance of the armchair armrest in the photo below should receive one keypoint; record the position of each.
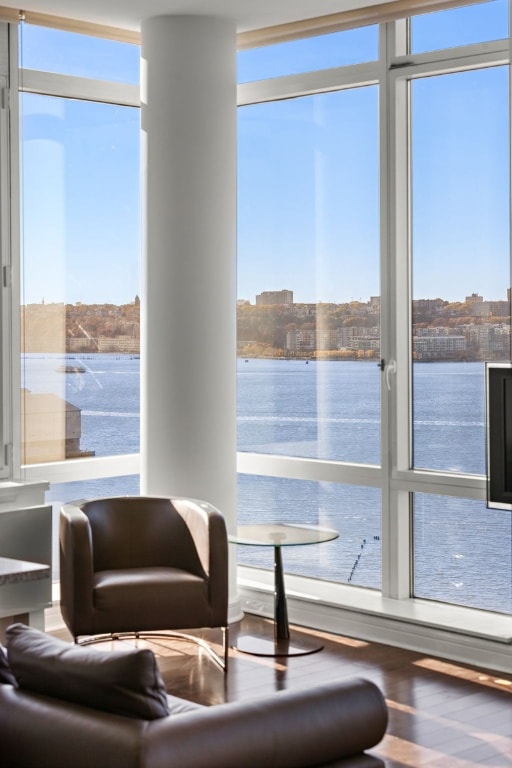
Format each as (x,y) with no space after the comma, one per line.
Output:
(208,530)
(76,569)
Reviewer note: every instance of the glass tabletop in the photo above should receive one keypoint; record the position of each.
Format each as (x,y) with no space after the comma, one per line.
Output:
(280,535)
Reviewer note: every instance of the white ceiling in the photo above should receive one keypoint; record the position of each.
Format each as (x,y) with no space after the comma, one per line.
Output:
(128,14)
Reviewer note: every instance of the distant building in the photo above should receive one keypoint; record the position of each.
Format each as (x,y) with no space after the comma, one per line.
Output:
(428,305)
(301,340)
(324,339)
(499,308)
(490,340)
(475,298)
(52,428)
(481,308)
(274,297)
(438,347)
(345,335)
(118,343)
(364,343)
(82,344)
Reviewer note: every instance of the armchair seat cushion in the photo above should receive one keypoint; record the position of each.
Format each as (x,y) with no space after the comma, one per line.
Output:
(156,598)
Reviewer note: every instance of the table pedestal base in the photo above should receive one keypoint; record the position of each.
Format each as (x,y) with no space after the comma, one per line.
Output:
(265,646)
(278,536)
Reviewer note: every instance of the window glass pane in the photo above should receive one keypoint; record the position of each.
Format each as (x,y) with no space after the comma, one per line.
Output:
(462,553)
(461,269)
(74,406)
(477,23)
(80,279)
(352,46)
(308,383)
(68,53)
(449,416)
(353,558)
(62,493)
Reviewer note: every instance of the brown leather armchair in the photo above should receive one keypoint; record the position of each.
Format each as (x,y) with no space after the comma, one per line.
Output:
(133,565)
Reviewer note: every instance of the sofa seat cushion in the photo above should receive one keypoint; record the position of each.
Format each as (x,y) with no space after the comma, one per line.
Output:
(179,706)
(137,597)
(120,682)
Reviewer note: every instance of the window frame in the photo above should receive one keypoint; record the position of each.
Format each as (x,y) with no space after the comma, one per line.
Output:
(9,245)
(393,72)
(86,89)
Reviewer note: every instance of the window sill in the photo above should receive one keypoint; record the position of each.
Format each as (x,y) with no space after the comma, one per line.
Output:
(14,495)
(462,634)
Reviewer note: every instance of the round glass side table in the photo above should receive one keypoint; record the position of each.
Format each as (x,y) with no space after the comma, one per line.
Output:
(279,536)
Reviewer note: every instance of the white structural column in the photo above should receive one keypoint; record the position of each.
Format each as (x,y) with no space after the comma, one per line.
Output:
(188,306)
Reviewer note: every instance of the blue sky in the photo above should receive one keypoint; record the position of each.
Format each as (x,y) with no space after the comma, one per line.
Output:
(81,207)
(308,175)
(308,196)
(460,193)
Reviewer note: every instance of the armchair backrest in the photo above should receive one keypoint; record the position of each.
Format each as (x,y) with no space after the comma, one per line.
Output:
(135,532)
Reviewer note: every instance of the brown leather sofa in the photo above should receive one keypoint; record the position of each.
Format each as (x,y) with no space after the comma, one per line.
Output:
(43,725)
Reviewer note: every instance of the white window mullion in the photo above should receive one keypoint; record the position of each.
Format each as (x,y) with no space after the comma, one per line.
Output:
(8,244)
(5,277)
(399,148)
(386,304)
(72,87)
(14,399)
(396,539)
(307,83)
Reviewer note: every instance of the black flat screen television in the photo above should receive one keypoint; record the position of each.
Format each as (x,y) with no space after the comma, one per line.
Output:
(499,434)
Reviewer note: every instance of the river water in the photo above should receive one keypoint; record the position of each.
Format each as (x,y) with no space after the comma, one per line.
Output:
(324,410)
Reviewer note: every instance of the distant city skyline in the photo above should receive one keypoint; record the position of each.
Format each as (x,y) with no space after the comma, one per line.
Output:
(473,295)
(274,325)
(365,300)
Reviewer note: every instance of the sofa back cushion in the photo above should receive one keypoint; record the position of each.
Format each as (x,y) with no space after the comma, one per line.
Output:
(121,682)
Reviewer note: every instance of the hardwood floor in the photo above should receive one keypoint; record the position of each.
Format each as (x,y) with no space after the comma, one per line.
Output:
(442,714)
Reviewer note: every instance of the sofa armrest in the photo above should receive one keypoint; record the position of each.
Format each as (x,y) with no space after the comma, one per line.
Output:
(37,731)
(76,569)
(292,729)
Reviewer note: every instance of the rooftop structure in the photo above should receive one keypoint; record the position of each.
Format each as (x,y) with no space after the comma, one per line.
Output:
(275,297)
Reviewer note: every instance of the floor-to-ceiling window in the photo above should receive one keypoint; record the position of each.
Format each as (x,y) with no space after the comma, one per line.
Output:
(79,321)
(309,317)
(80,263)
(460,318)
(373,283)
(405,447)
